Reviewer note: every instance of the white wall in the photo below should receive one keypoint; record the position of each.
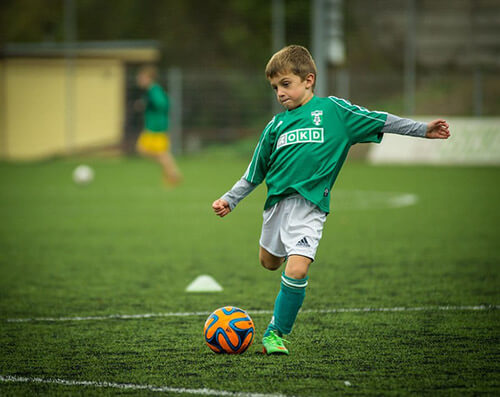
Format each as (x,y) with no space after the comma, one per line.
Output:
(473,141)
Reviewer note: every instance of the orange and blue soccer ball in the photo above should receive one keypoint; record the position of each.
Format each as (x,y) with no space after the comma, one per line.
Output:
(229,330)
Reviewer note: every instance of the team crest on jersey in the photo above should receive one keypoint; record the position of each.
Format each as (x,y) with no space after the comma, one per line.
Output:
(317,116)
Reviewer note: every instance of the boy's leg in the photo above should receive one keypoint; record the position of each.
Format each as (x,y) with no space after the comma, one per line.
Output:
(270,261)
(291,295)
(292,228)
(297,266)
(170,169)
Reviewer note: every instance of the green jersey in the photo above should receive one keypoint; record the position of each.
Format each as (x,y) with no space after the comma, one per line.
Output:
(156,113)
(302,150)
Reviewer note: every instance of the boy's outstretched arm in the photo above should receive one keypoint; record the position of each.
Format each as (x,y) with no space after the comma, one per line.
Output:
(436,129)
(228,201)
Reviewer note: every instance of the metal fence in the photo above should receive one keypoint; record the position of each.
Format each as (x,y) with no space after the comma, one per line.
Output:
(207,106)
(214,106)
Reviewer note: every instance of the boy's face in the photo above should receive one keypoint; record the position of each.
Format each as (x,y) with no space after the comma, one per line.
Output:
(143,80)
(291,90)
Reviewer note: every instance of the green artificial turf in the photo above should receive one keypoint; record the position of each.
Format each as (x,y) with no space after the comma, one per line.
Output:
(126,245)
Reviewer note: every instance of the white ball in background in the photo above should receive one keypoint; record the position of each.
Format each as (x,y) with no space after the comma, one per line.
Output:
(83,175)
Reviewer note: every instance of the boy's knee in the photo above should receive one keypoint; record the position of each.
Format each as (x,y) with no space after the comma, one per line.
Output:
(296,273)
(269,261)
(270,264)
(297,267)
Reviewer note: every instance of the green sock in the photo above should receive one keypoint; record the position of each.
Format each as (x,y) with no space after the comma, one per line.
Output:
(287,305)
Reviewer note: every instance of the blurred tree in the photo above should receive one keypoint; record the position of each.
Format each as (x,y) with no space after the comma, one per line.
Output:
(30,20)
(191,32)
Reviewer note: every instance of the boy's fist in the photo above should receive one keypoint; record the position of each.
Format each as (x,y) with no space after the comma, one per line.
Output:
(221,207)
(438,129)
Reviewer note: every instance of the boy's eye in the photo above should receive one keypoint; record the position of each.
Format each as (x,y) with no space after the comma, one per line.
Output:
(274,87)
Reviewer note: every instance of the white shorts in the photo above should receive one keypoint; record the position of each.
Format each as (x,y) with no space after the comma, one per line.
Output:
(292,226)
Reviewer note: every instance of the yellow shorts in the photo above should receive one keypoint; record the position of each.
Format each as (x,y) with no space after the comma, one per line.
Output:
(153,142)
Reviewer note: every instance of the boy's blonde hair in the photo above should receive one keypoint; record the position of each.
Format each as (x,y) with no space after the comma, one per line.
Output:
(292,59)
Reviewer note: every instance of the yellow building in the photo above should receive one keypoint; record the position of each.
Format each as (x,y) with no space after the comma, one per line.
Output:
(54,101)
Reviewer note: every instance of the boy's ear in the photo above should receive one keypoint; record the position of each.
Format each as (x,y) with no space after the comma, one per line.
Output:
(310,80)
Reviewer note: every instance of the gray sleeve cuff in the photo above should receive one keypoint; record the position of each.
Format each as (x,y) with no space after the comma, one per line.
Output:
(238,192)
(398,125)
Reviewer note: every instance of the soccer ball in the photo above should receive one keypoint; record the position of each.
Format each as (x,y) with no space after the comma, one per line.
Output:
(83,175)
(229,330)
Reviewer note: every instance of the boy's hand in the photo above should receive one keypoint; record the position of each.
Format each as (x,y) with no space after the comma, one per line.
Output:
(438,129)
(221,207)
(139,105)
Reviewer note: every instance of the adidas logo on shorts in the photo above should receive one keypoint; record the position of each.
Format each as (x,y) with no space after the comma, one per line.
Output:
(303,243)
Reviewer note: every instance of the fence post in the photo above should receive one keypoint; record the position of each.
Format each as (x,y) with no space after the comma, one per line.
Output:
(279,37)
(478,91)
(70,38)
(174,82)
(318,46)
(410,58)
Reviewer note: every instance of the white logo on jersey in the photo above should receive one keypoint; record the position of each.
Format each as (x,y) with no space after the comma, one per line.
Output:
(317,114)
(303,135)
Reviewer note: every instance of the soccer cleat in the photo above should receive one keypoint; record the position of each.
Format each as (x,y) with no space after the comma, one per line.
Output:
(273,344)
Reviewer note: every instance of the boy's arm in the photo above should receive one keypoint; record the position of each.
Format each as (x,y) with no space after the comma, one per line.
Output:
(255,174)
(436,129)
(363,125)
(229,200)
(238,192)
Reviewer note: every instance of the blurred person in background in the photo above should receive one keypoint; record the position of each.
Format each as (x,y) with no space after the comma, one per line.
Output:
(154,140)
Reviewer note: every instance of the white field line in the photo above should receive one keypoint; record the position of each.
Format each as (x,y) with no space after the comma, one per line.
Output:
(307,311)
(132,386)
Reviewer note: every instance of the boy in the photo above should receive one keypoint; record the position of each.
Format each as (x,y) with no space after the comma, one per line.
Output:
(154,141)
(299,154)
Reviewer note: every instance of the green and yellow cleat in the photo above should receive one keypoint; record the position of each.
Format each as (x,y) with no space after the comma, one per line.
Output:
(273,344)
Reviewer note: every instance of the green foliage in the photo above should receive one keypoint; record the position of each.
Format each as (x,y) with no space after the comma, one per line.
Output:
(223,34)
(31,20)
(125,244)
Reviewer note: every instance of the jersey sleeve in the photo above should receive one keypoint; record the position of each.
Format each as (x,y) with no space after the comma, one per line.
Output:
(257,170)
(361,124)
